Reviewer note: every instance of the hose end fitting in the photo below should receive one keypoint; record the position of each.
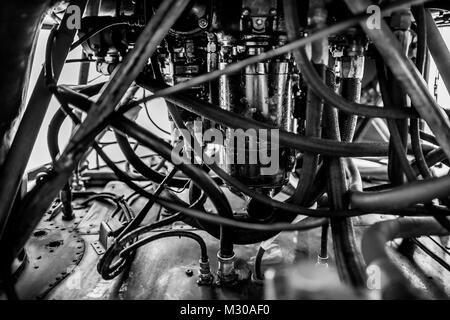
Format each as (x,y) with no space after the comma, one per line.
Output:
(322,261)
(205,277)
(225,269)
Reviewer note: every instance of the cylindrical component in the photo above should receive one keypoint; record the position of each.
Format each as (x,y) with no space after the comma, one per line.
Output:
(225,268)
(204,277)
(262,92)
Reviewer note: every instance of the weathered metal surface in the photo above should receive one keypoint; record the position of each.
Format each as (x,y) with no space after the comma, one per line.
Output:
(53,252)
(168,268)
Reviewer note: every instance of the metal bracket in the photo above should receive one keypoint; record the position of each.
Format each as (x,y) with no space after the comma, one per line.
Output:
(98,248)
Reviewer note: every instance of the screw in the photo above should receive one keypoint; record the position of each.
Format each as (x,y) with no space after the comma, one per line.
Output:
(202,23)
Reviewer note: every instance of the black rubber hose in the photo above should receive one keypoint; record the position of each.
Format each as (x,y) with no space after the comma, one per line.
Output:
(438,49)
(198,176)
(395,285)
(141,167)
(400,150)
(397,142)
(167,234)
(109,270)
(350,265)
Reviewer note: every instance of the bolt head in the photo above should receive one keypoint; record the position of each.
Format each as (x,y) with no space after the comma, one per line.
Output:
(202,23)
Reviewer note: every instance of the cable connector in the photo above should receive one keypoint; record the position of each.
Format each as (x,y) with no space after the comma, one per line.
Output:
(205,276)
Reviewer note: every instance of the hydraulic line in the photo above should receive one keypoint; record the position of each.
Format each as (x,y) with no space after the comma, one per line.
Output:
(399,149)
(41,196)
(396,141)
(422,191)
(301,143)
(414,124)
(167,234)
(438,48)
(93,32)
(352,108)
(15,162)
(314,104)
(110,270)
(141,167)
(200,177)
(349,261)
(323,33)
(126,126)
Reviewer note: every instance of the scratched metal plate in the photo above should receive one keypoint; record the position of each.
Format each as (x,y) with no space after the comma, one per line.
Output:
(53,251)
(63,261)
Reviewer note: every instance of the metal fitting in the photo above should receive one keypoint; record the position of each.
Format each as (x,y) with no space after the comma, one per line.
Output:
(322,261)
(352,66)
(204,277)
(225,269)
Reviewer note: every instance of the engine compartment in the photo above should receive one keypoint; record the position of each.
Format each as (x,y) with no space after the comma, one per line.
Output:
(307,157)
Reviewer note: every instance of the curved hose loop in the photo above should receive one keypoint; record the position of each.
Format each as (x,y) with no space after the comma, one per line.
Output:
(393,283)
(289,217)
